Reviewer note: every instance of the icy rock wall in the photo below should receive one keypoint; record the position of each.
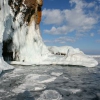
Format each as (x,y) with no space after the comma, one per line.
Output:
(4,20)
(27,41)
(19,22)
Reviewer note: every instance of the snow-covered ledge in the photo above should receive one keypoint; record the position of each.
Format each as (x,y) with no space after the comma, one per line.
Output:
(19,28)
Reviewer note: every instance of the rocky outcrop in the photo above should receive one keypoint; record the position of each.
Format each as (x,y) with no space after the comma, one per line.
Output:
(30,9)
(23,31)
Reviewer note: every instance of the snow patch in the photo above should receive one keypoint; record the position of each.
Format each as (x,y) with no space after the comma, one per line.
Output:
(2,91)
(4,66)
(34,82)
(50,95)
(29,87)
(72,90)
(39,78)
(56,73)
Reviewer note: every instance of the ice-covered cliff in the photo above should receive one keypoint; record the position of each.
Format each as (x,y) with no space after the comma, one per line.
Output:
(20,37)
(5,23)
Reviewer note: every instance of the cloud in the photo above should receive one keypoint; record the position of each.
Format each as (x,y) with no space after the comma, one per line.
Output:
(62,40)
(68,20)
(48,41)
(90,5)
(98,0)
(92,34)
(79,21)
(58,30)
(66,39)
(52,16)
(98,31)
(98,41)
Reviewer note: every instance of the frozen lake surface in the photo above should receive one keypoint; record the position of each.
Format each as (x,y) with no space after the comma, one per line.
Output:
(51,83)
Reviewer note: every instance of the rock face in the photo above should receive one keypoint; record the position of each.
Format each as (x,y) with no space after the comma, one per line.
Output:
(23,30)
(21,40)
(30,10)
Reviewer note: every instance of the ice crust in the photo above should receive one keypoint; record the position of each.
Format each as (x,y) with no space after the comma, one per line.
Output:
(34,82)
(75,83)
(50,95)
(30,48)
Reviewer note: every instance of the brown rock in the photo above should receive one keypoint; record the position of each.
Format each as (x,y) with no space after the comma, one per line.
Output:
(31,8)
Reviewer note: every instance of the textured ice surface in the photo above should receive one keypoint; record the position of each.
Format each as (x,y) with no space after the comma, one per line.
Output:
(34,82)
(4,66)
(56,73)
(43,82)
(50,95)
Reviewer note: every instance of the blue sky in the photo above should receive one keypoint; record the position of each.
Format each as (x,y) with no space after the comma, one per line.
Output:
(72,23)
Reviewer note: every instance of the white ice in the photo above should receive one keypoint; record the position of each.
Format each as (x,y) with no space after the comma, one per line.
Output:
(50,95)
(4,20)
(34,82)
(28,44)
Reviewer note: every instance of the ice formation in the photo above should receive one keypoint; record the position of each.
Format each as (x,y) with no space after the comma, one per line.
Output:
(4,28)
(20,38)
(34,82)
(50,95)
